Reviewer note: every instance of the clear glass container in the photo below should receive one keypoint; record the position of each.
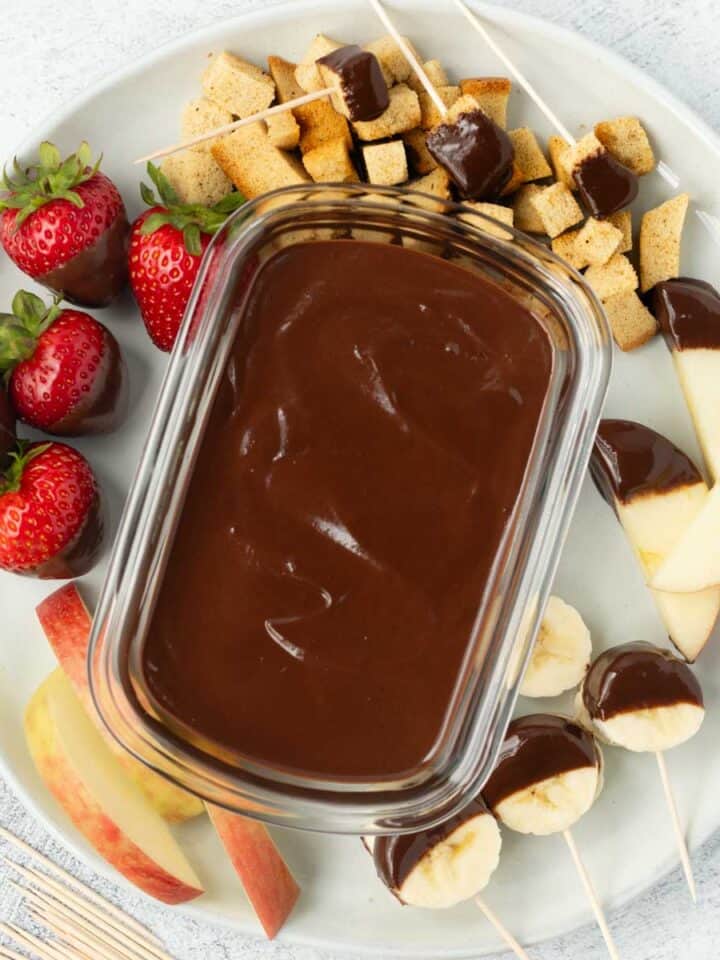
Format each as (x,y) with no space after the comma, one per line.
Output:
(509,611)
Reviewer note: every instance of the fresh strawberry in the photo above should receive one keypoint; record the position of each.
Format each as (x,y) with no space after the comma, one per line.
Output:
(64,224)
(50,516)
(64,369)
(166,246)
(7,427)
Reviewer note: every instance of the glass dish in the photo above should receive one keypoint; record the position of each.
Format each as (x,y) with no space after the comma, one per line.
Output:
(509,611)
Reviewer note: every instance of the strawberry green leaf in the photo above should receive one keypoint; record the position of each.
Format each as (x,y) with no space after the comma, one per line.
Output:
(191,236)
(51,178)
(154,222)
(230,203)
(23,454)
(147,195)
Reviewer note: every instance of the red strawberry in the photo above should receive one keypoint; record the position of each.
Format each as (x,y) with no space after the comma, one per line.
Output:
(64,370)
(7,427)
(50,516)
(64,224)
(166,246)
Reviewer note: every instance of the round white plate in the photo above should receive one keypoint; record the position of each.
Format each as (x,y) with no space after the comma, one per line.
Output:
(625,839)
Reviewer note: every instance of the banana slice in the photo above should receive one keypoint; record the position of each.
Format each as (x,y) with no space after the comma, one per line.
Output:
(561,654)
(641,698)
(440,867)
(548,775)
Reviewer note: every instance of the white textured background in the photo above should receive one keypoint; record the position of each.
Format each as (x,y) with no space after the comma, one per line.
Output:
(51,51)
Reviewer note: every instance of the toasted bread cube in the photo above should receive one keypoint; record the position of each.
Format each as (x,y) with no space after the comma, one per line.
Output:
(430,116)
(494,210)
(403,113)
(557,209)
(393,63)
(437,184)
(201,116)
(418,154)
(614,277)
(564,247)
(597,241)
(283,73)
(660,234)
(307,73)
(283,131)
(587,146)
(631,322)
(526,216)
(196,177)
(516,180)
(254,165)
(435,73)
(319,123)
(330,163)
(464,104)
(626,139)
(492,94)
(561,160)
(623,221)
(529,156)
(238,86)
(386,163)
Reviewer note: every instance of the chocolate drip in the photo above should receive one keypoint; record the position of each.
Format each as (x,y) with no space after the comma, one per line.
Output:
(688,312)
(361,81)
(105,405)
(95,276)
(637,676)
(604,184)
(80,555)
(477,154)
(536,748)
(630,460)
(7,427)
(397,856)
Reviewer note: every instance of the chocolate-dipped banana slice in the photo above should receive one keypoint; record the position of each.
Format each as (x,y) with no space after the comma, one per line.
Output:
(656,492)
(442,866)
(548,775)
(642,698)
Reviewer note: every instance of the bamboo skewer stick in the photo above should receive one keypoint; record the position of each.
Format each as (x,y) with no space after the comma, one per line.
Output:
(677,828)
(500,928)
(591,895)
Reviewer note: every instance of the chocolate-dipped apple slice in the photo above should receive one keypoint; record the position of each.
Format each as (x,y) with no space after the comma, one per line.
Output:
(656,492)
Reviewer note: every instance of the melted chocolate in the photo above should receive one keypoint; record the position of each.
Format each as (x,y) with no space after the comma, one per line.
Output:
(604,184)
(80,555)
(637,676)
(630,460)
(339,530)
(536,748)
(688,312)
(95,276)
(362,84)
(397,856)
(105,405)
(7,427)
(477,154)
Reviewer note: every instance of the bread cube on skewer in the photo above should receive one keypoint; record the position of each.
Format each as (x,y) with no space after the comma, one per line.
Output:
(435,73)
(430,116)
(360,89)
(625,138)
(402,114)
(492,94)
(392,60)
(320,123)
(307,73)
(200,116)
(283,73)
(254,165)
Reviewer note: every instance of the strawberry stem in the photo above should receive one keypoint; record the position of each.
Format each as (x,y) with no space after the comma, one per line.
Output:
(21,329)
(23,454)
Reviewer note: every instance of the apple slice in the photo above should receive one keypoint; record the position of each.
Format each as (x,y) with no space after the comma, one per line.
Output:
(688,312)
(105,805)
(268,883)
(66,622)
(694,563)
(657,493)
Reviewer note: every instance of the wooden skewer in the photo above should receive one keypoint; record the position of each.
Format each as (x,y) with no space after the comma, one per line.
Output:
(409,56)
(46,951)
(500,928)
(236,124)
(73,937)
(591,895)
(677,828)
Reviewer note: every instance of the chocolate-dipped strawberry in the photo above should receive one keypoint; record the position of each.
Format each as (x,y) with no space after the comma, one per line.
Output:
(605,185)
(64,224)
(642,698)
(548,774)
(362,93)
(656,491)
(477,154)
(64,370)
(7,427)
(444,865)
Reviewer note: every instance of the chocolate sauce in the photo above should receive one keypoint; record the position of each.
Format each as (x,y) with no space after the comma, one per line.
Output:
(351,492)
(397,856)
(104,406)
(536,748)
(605,185)
(630,460)
(361,80)
(477,154)
(95,276)
(7,427)
(688,313)
(80,555)
(637,676)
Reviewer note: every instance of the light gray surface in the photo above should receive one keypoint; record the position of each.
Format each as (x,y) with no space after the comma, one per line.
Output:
(48,53)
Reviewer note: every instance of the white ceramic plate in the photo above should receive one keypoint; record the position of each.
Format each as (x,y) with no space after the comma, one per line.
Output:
(625,838)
